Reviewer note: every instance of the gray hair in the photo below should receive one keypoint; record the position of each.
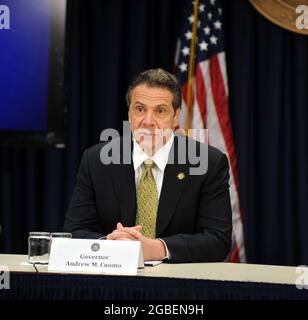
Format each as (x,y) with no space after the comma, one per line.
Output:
(157,78)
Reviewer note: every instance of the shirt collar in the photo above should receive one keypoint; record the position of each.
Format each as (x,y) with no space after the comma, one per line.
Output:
(160,158)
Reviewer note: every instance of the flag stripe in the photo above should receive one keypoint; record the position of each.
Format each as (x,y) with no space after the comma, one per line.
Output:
(201,95)
(221,104)
(235,253)
(221,60)
(216,138)
(210,105)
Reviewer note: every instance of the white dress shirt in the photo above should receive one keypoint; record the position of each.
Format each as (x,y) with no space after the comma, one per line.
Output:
(160,159)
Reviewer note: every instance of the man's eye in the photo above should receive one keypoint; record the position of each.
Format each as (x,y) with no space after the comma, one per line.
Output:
(139,109)
(161,110)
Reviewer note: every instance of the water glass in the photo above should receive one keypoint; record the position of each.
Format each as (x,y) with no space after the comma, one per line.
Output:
(38,247)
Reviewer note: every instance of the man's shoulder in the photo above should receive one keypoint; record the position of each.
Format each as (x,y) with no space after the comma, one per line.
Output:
(96,148)
(214,152)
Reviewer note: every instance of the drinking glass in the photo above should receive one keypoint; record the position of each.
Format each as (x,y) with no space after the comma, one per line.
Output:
(38,247)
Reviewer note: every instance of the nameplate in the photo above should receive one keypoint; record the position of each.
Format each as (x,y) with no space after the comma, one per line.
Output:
(95,256)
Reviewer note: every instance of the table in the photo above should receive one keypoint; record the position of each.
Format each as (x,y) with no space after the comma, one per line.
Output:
(196,281)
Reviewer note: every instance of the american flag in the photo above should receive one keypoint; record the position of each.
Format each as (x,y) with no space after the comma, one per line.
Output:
(201,69)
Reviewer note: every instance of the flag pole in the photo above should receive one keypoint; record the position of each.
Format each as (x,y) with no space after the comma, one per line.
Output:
(191,70)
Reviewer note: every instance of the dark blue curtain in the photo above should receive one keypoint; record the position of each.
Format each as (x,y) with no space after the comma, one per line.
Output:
(108,43)
(268,82)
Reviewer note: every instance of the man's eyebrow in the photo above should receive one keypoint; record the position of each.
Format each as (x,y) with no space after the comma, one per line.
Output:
(159,105)
(138,102)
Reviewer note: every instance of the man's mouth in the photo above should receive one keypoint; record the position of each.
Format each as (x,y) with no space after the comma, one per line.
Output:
(148,134)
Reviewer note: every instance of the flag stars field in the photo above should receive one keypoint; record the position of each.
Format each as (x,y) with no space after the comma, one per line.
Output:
(213,39)
(217,24)
(183,67)
(207,30)
(185,51)
(203,46)
(188,35)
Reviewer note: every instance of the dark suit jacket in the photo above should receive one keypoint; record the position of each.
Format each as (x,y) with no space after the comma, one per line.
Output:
(194,214)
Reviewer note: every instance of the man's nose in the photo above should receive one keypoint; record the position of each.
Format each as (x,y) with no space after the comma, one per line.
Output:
(148,118)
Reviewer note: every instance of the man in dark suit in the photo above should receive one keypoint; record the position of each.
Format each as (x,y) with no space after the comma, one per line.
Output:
(154,198)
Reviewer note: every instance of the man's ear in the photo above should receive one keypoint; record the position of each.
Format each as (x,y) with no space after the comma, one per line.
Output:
(177,117)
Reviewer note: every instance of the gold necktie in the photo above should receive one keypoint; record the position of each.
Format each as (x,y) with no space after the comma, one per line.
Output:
(147,201)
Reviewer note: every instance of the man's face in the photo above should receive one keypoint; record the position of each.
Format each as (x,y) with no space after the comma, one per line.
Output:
(152,116)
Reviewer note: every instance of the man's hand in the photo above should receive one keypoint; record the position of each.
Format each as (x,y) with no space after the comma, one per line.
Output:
(122,233)
(153,249)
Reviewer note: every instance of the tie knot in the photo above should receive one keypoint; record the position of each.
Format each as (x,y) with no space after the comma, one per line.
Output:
(148,163)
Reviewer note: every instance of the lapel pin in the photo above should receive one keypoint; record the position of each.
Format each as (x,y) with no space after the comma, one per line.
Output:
(181,175)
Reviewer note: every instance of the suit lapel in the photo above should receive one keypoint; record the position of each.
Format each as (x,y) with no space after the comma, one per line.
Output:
(175,179)
(124,182)
(170,194)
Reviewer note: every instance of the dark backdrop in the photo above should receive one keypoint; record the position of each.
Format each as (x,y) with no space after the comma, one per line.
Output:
(108,43)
